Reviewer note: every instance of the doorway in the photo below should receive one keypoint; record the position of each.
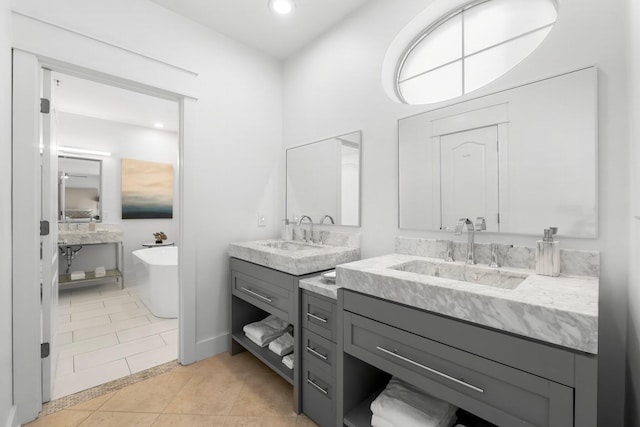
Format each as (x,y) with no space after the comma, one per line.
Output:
(29,343)
(105,329)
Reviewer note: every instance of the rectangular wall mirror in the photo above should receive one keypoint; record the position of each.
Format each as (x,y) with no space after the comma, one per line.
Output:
(524,159)
(79,189)
(323,178)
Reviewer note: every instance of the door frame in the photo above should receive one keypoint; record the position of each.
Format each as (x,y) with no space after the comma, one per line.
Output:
(27,78)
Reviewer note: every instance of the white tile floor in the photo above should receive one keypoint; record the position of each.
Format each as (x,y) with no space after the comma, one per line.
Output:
(105,333)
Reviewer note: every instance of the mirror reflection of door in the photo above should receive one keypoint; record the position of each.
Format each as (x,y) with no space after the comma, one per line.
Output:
(469,176)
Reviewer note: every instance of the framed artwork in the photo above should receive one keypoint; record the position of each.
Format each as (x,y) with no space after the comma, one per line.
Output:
(147,189)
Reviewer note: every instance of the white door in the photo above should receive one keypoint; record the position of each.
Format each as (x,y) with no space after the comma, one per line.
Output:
(469,176)
(49,213)
(26,211)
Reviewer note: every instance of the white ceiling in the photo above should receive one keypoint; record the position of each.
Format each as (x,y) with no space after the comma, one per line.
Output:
(252,22)
(87,98)
(248,21)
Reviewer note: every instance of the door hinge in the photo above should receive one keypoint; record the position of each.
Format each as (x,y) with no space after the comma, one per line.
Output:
(44,350)
(45,105)
(44,228)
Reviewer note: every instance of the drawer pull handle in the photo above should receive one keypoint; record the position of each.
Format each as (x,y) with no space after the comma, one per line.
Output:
(313,316)
(455,380)
(255,294)
(314,352)
(320,389)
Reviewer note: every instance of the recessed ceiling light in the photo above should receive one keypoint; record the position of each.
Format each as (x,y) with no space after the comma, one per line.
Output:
(159,125)
(281,7)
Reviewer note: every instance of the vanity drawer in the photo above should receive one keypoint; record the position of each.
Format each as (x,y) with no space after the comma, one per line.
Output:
(496,392)
(270,298)
(314,347)
(318,389)
(319,315)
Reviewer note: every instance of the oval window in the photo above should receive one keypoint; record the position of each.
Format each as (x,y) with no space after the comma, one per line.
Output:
(471,47)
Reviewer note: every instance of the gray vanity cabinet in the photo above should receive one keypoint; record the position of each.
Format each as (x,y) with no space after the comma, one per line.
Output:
(257,291)
(505,379)
(319,330)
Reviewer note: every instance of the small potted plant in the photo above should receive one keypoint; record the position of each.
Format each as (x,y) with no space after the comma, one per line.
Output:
(160,237)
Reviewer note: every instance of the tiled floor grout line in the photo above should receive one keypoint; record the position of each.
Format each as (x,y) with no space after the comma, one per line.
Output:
(117,337)
(111,386)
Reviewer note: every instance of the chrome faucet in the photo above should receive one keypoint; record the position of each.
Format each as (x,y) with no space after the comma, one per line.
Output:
(449,256)
(325,217)
(302,218)
(471,232)
(494,256)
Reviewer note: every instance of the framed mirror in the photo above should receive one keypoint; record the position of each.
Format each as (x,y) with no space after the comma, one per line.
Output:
(79,189)
(323,180)
(524,159)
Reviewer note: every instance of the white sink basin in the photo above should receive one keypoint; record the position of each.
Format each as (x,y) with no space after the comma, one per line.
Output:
(465,273)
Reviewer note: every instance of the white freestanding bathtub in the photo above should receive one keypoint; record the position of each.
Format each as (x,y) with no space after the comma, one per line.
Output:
(157,279)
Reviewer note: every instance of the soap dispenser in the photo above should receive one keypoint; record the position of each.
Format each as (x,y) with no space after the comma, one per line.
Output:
(548,254)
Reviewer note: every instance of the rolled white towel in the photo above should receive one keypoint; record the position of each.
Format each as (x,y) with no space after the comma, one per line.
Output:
(266,330)
(405,405)
(288,361)
(282,345)
(77,275)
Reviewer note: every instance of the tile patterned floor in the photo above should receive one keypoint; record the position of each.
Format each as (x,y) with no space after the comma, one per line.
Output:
(219,391)
(105,333)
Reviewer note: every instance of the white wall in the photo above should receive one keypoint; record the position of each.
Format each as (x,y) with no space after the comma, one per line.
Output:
(122,141)
(335,86)
(233,152)
(633,332)
(6,349)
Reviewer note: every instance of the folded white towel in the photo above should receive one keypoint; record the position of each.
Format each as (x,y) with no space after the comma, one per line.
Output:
(77,275)
(282,345)
(288,361)
(100,272)
(266,330)
(404,405)
(378,421)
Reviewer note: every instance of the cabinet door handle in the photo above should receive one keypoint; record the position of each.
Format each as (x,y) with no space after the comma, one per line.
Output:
(420,365)
(255,294)
(313,316)
(320,389)
(316,353)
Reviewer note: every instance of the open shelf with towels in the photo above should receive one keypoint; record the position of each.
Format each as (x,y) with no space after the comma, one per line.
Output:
(117,273)
(268,357)
(90,276)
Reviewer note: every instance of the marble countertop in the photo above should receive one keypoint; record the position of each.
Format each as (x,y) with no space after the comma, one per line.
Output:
(559,310)
(312,258)
(89,237)
(321,286)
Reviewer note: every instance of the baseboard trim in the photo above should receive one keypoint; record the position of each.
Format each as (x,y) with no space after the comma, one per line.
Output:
(11,418)
(212,346)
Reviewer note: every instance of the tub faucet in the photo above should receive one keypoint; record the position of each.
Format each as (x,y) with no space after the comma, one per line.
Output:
(471,233)
(325,217)
(302,218)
